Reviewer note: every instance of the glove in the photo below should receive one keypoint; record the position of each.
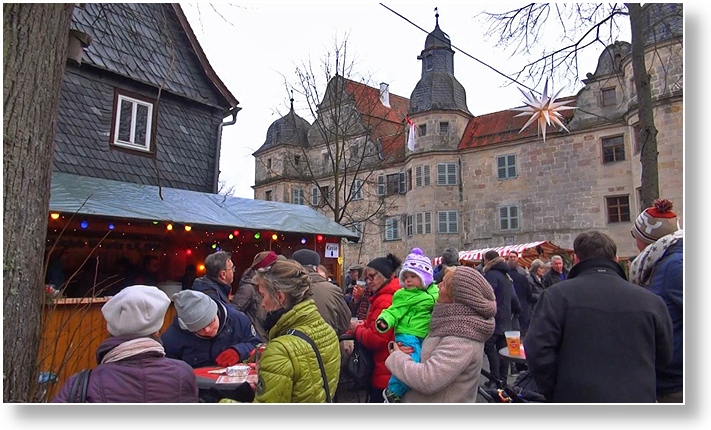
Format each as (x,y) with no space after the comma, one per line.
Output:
(228,357)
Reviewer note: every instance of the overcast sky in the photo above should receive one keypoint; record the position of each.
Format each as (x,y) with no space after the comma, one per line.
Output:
(254,46)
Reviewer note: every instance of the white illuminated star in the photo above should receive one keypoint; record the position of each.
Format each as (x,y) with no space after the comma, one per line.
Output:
(544,110)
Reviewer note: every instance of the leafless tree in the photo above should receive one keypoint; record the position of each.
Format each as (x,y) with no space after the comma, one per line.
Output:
(581,26)
(354,135)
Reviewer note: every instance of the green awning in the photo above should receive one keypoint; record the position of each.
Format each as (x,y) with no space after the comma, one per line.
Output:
(103,197)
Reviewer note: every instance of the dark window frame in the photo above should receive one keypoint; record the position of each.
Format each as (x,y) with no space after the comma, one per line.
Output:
(613,149)
(618,204)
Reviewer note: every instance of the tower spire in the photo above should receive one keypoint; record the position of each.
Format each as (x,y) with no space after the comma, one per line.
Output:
(436,18)
(292,100)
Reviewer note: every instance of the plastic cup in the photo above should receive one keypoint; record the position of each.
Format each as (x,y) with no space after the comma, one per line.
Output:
(513,342)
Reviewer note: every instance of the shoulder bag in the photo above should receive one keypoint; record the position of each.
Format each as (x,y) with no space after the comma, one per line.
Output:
(303,336)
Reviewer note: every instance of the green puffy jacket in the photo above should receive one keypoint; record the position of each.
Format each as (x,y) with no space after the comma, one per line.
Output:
(411,311)
(288,369)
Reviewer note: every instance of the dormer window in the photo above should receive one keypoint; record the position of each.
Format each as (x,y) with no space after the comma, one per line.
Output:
(609,97)
(133,124)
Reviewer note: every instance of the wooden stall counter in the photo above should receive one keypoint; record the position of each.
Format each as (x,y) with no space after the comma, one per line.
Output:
(72,330)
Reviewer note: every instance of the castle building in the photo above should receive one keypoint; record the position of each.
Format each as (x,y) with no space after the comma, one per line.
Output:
(474,182)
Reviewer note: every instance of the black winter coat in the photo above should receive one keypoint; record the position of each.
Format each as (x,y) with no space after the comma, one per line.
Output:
(507,302)
(219,292)
(596,338)
(524,294)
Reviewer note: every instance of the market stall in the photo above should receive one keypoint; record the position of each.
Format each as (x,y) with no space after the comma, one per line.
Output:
(527,252)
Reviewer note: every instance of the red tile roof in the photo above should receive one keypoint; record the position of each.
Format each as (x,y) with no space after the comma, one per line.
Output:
(501,127)
(388,124)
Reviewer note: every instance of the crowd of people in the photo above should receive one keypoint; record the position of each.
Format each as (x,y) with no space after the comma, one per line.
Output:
(590,334)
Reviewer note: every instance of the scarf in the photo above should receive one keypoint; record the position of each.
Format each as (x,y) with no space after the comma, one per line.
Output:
(133,347)
(493,263)
(643,266)
(364,303)
(456,319)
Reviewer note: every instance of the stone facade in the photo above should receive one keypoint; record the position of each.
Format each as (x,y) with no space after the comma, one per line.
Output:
(502,188)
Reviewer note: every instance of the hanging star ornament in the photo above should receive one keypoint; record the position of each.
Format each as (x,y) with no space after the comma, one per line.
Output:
(546,111)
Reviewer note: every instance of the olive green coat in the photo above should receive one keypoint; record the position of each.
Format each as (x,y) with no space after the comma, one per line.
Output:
(288,369)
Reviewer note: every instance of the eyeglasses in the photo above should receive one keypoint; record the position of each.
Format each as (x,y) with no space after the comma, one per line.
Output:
(370,277)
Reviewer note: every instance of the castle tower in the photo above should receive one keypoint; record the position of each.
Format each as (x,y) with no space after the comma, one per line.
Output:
(438,104)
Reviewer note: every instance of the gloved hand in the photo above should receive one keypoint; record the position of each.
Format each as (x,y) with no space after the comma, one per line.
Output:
(228,357)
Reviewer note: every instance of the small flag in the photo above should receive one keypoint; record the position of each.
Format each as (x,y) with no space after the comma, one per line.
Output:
(411,138)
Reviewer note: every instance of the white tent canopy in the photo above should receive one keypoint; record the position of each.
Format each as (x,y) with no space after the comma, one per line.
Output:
(527,252)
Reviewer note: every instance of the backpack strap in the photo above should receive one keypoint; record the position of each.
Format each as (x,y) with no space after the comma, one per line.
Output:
(303,336)
(79,387)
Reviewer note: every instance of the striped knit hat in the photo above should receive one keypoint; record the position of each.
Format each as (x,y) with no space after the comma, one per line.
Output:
(655,222)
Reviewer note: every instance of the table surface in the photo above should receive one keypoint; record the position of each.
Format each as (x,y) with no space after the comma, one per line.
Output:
(504,353)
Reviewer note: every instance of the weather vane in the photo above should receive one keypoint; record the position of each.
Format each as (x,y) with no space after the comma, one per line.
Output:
(545,110)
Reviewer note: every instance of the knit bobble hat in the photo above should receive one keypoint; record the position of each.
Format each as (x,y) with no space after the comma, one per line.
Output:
(655,222)
(472,290)
(137,310)
(195,309)
(385,265)
(307,257)
(417,263)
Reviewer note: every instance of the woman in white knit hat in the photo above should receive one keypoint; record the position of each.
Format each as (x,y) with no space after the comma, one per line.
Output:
(452,353)
(132,367)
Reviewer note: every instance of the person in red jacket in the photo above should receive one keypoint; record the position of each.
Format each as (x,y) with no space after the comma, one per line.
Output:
(380,278)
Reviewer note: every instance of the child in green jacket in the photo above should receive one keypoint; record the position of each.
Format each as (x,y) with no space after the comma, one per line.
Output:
(410,312)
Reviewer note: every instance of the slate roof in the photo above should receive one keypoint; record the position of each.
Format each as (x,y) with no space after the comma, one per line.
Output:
(151,43)
(186,138)
(290,129)
(501,127)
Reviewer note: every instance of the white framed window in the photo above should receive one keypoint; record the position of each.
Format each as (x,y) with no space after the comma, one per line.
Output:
(132,122)
(357,228)
(357,190)
(392,228)
(506,166)
(509,217)
(423,223)
(408,225)
(446,173)
(297,196)
(315,196)
(448,221)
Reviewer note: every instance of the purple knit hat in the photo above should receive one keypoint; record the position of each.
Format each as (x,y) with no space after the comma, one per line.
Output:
(418,264)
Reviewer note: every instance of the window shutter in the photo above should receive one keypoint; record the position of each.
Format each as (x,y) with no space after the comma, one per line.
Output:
(442,221)
(315,196)
(504,218)
(501,162)
(418,223)
(512,166)
(381,185)
(441,174)
(418,176)
(426,174)
(402,183)
(428,222)
(451,174)
(453,222)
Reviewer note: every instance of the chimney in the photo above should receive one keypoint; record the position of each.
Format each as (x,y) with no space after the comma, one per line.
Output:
(385,94)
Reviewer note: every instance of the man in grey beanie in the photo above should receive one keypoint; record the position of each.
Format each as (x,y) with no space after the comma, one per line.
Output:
(132,364)
(329,298)
(206,332)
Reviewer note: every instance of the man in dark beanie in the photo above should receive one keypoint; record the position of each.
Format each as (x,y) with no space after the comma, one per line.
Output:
(329,298)
(450,258)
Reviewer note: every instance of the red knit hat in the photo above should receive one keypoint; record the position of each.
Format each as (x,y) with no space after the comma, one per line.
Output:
(655,222)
